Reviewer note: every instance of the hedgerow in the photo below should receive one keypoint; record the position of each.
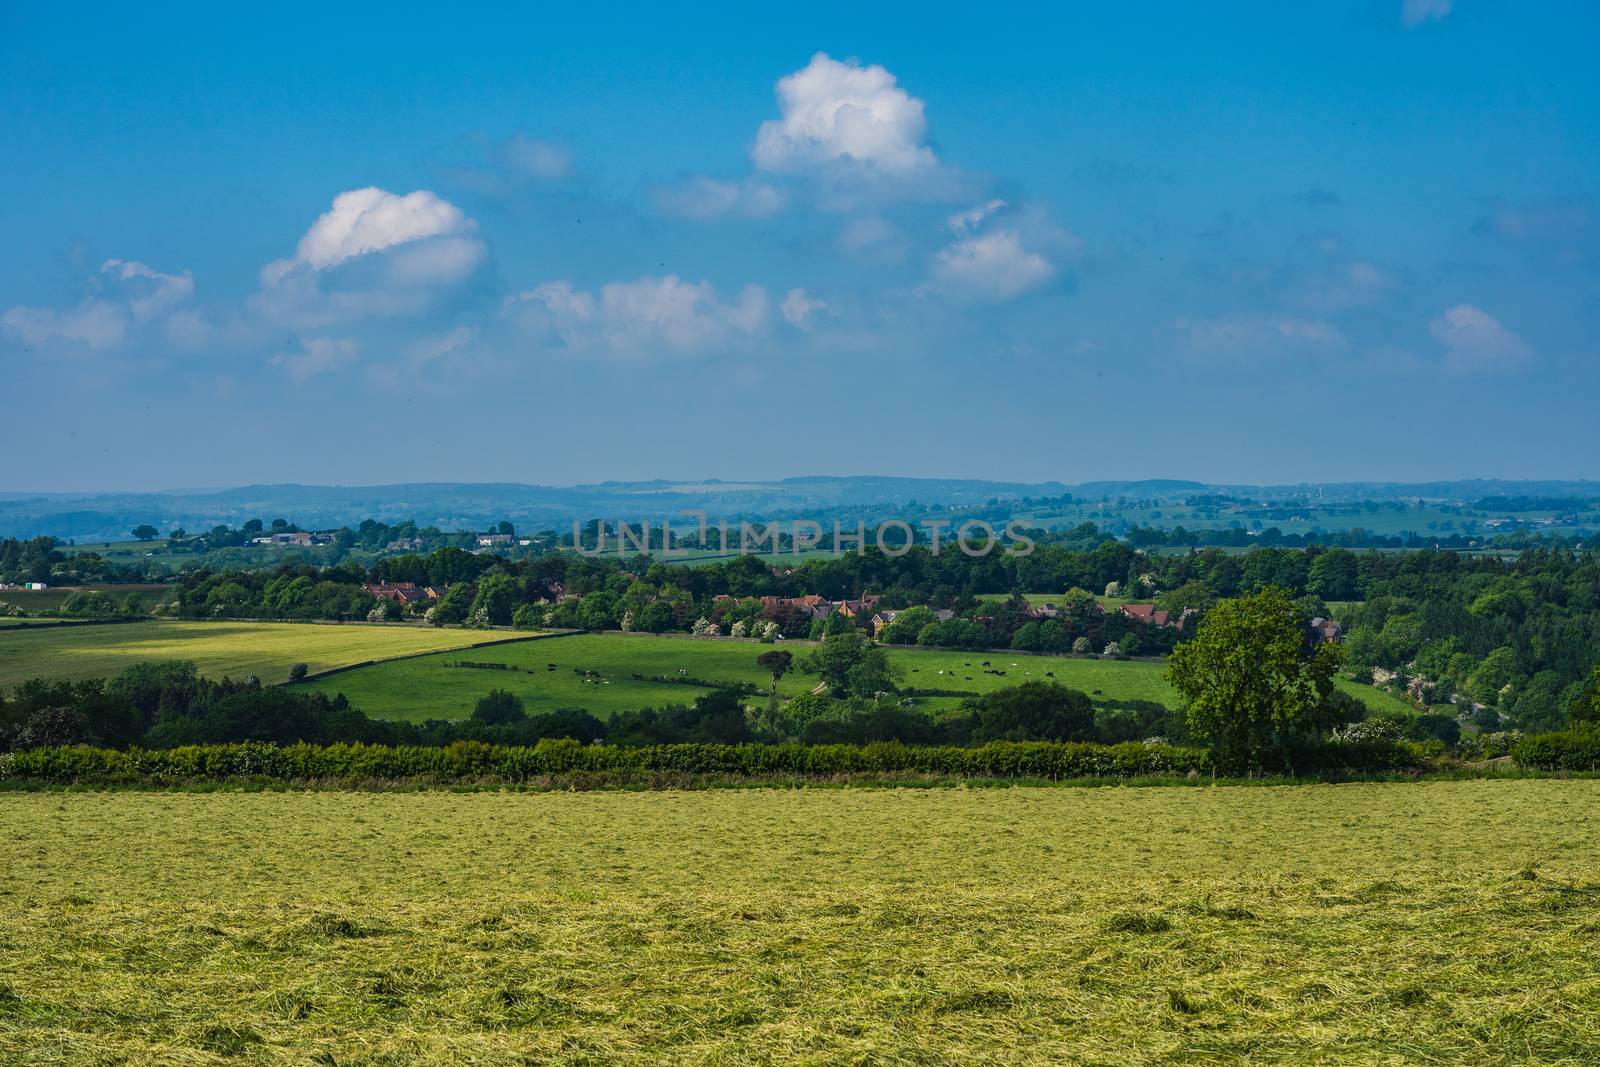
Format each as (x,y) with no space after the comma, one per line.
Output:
(470,761)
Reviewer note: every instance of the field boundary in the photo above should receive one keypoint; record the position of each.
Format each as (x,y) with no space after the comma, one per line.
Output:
(432,652)
(56,623)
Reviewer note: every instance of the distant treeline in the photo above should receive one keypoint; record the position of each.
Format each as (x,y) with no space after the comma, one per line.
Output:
(1355,537)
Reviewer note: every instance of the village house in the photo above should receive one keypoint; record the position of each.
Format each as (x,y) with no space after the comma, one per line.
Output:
(1325,631)
(851,608)
(491,539)
(292,537)
(399,592)
(1147,614)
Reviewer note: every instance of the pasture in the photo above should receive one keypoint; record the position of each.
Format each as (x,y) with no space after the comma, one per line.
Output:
(1445,922)
(552,674)
(234,649)
(596,672)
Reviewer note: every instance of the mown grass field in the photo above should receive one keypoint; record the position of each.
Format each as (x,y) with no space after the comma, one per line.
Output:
(1446,922)
(429,687)
(235,649)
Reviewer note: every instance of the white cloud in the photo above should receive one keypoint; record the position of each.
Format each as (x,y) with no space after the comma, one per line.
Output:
(148,292)
(1251,335)
(1475,341)
(643,317)
(700,197)
(833,112)
(369,220)
(799,308)
(992,266)
(96,323)
(1416,12)
(373,253)
(122,294)
(317,355)
(967,221)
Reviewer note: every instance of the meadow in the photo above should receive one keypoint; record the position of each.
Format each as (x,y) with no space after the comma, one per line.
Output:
(1442,922)
(596,672)
(234,649)
(549,674)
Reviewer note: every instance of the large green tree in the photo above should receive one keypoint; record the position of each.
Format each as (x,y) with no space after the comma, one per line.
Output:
(848,662)
(1254,692)
(778,663)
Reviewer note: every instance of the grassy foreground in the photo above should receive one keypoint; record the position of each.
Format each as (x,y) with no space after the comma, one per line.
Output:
(1443,922)
(266,649)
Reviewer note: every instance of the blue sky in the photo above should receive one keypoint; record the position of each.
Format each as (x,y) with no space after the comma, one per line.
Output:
(1245,242)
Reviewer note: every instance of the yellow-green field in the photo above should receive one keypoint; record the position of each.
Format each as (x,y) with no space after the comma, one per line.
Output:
(1447,922)
(235,649)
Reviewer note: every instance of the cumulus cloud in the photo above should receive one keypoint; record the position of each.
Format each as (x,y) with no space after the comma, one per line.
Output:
(992,266)
(1475,341)
(640,318)
(799,308)
(700,197)
(372,253)
(316,355)
(122,295)
(843,112)
(1231,336)
(1416,12)
(368,220)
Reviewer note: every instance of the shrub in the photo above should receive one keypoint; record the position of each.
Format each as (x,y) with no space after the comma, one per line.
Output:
(298,672)
(1566,750)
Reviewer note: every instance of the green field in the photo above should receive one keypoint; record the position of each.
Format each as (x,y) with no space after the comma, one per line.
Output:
(432,687)
(429,687)
(235,649)
(1446,922)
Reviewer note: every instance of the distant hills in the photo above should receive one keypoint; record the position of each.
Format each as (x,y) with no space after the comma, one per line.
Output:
(457,505)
